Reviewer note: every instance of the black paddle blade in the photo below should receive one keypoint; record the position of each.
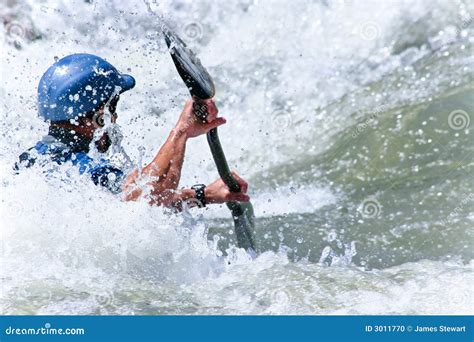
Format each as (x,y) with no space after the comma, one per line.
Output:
(189,67)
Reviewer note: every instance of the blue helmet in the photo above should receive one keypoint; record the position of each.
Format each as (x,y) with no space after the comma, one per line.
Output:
(78,84)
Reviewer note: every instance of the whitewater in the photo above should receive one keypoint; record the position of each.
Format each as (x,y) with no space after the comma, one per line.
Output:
(351,120)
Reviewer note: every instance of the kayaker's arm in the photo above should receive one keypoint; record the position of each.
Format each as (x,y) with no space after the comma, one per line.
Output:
(164,172)
(216,192)
(162,175)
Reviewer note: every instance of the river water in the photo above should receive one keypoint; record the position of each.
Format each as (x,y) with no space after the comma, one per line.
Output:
(351,120)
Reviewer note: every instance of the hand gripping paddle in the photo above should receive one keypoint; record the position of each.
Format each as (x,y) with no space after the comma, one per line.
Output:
(201,87)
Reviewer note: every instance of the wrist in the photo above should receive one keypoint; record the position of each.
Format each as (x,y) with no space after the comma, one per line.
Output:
(187,194)
(180,131)
(208,195)
(200,197)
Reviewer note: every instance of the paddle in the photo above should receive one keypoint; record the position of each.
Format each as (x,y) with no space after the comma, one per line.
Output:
(201,87)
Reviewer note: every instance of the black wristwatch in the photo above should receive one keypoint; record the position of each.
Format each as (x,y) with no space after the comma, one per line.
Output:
(200,196)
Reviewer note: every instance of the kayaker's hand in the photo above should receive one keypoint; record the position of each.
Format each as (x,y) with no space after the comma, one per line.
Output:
(218,192)
(191,125)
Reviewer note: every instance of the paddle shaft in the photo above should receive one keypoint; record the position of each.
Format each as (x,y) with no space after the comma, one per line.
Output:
(221,162)
(243,233)
(244,236)
(200,111)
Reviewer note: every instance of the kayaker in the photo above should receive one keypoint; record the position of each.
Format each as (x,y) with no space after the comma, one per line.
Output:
(76,96)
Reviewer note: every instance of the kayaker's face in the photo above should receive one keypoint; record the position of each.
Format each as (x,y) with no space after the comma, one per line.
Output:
(98,121)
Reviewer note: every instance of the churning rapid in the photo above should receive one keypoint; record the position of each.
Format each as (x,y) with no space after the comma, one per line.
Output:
(352,121)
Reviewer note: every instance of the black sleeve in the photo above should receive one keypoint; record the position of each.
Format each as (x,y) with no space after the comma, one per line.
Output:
(108,177)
